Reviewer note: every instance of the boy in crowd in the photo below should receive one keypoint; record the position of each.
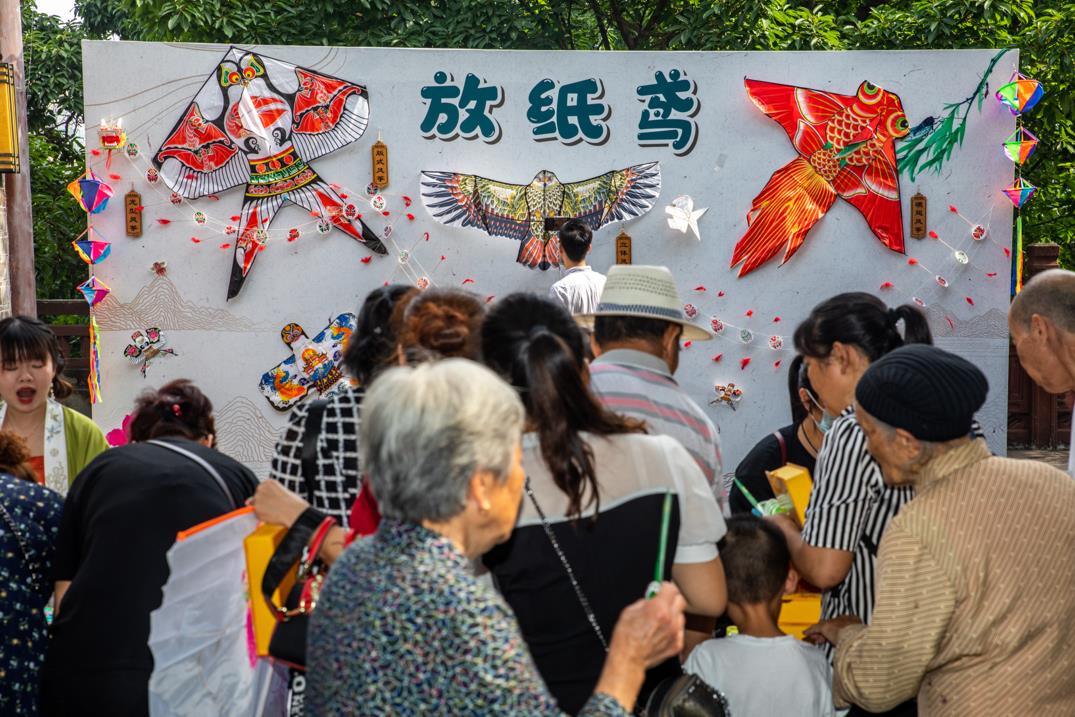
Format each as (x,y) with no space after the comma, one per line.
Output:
(580,288)
(762,671)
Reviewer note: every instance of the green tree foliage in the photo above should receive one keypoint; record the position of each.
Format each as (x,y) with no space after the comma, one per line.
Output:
(1041,29)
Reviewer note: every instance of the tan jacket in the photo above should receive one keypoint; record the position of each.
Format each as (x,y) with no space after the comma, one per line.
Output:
(975,609)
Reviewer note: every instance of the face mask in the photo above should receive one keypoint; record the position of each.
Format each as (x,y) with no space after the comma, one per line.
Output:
(826,418)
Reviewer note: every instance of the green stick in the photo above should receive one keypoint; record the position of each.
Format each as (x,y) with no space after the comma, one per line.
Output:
(662,547)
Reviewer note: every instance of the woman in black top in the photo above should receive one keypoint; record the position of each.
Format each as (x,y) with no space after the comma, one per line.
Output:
(796,443)
(120,518)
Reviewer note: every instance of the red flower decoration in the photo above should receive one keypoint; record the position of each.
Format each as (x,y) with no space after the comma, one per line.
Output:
(744,362)
(95,152)
(777,364)
(406,200)
(720,294)
(952,208)
(236,217)
(687,344)
(410,217)
(467,281)
(717,358)
(700,289)
(196,240)
(116,177)
(933,235)
(991,274)
(162,222)
(367,259)
(776,320)
(912,261)
(969,300)
(887,285)
(225,245)
(750,312)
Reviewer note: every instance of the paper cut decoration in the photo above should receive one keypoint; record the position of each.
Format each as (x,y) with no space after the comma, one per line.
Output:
(519,211)
(1020,192)
(683,216)
(146,347)
(727,395)
(846,146)
(94,290)
(258,121)
(1020,94)
(1020,144)
(93,380)
(91,250)
(91,193)
(313,363)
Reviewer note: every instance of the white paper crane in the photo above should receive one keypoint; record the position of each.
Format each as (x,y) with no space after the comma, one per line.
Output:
(683,216)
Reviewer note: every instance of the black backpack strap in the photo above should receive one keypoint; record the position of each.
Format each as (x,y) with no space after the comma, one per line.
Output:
(311,432)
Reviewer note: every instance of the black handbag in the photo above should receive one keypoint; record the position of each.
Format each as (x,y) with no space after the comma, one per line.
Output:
(682,696)
(685,696)
(300,545)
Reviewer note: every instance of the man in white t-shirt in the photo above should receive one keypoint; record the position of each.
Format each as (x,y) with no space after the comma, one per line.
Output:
(580,287)
(1042,325)
(760,670)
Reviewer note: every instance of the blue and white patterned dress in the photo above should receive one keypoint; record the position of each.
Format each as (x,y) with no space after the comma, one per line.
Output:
(35,511)
(403,628)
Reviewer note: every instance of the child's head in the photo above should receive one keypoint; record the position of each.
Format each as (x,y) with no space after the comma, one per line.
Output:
(756,561)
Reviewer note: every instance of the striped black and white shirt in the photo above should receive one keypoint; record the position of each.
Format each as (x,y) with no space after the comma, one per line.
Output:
(338,475)
(849,509)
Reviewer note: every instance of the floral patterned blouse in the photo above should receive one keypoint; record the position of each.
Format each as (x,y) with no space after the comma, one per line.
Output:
(35,512)
(404,628)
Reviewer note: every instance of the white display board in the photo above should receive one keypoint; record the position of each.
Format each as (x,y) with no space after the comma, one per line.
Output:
(225,346)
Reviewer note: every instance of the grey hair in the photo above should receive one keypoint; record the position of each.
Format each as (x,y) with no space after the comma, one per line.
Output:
(427,430)
(928,450)
(1050,294)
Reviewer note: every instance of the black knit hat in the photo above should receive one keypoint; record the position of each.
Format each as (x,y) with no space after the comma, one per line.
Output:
(928,392)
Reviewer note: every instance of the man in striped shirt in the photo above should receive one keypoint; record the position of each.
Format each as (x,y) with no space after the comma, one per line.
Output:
(637,329)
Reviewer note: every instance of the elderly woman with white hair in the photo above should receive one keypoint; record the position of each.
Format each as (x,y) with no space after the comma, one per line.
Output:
(403,627)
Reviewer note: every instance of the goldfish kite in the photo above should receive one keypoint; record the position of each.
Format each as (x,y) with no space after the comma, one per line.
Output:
(846,146)
(257,122)
(519,211)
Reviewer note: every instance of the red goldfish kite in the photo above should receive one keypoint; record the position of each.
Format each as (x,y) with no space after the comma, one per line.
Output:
(846,146)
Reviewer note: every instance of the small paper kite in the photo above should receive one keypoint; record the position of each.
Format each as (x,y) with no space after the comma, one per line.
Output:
(1020,192)
(1020,145)
(1020,94)
(727,395)
(683,216)
(312,364)
(519,211)
(257,122)
(846,146)
(94,290)
(92,250)
(92,193)
(146,347)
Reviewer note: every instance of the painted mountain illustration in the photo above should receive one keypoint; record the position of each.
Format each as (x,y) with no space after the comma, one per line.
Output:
(159,303)
(243,433)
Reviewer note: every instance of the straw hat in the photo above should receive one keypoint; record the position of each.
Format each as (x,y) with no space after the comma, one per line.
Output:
(648,292)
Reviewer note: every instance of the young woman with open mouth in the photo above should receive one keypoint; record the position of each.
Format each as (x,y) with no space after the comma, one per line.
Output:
(61,440)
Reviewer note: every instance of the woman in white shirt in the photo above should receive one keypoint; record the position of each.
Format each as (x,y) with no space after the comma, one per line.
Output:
(597,483)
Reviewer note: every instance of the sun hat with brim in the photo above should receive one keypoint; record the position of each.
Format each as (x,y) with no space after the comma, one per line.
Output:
(646,292)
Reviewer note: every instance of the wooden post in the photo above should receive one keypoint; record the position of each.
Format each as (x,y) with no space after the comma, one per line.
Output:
(20,224)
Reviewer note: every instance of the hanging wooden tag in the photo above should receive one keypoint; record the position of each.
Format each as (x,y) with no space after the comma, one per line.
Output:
(623,248)
(379,152)
(918,216)
(132,203)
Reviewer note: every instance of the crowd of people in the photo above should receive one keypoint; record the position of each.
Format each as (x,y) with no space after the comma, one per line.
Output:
(525,514)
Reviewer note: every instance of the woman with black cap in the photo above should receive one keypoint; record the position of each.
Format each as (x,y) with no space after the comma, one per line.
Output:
(850,505)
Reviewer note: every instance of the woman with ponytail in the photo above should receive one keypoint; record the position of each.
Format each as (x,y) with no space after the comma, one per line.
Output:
(120,518)
(850,505)
(596,482)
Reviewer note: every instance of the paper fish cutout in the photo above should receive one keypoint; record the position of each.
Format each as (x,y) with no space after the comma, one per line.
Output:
(146,347)
(519,211)
(846,146)
(257,122)
(313,364)
(91,192)
(683,216)
(94,290)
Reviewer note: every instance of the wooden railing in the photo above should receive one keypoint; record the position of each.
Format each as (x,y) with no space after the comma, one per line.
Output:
(74,338)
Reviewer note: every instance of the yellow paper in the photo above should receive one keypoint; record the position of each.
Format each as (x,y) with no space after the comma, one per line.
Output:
(260,546)
(795,482)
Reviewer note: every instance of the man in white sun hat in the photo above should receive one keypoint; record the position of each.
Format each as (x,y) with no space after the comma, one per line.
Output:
(638,326)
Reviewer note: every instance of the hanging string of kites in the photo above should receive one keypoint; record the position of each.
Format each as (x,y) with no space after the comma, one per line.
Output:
(1019,95)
